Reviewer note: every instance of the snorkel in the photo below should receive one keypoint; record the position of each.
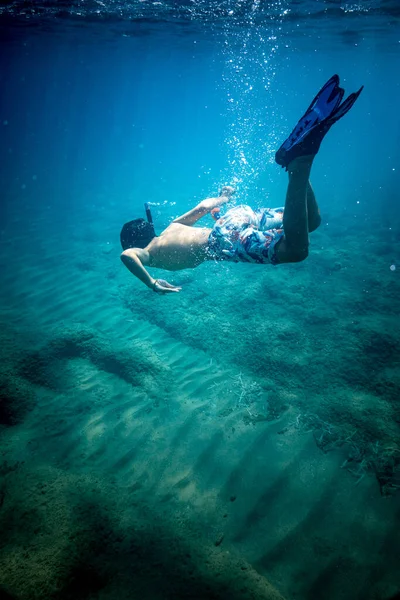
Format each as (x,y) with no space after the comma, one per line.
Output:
(148,213)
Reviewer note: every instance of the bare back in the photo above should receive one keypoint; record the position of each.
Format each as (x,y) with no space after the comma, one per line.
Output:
(179,247)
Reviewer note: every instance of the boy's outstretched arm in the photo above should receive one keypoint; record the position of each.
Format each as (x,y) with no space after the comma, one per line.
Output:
(205,206)
(133,259)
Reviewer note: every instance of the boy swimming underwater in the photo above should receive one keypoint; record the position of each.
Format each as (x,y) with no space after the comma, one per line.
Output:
(242,234)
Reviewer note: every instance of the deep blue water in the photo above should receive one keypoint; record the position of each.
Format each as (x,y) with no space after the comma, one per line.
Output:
(149,110)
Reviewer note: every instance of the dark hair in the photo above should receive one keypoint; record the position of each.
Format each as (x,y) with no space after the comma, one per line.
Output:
(136,234)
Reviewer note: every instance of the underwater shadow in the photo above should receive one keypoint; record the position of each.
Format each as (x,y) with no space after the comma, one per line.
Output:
(146,560)
(269,499)
(389,551)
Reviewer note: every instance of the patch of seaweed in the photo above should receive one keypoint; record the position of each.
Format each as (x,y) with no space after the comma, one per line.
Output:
(16,399)
(135,362)
(363,456)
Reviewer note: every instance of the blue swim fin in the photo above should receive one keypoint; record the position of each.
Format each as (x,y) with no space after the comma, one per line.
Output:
(322,113)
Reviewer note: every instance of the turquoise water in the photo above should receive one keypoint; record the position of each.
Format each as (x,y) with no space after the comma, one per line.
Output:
(239,439)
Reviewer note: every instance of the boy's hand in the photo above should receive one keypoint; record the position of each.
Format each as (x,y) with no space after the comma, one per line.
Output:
(160,286)
(227,191)
(225,194)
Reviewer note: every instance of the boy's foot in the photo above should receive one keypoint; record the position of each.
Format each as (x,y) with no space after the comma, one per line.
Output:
(322,113)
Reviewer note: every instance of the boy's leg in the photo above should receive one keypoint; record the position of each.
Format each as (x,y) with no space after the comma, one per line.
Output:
(314,217)
(271,218)
(294,245)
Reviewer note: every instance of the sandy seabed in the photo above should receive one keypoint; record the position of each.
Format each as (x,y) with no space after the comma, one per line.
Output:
(238,440)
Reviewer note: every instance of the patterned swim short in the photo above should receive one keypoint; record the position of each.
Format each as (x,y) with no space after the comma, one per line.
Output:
(245,235)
